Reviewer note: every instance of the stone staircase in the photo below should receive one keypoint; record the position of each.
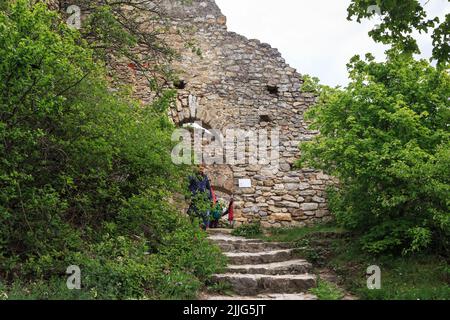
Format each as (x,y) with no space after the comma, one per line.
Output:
(260,270)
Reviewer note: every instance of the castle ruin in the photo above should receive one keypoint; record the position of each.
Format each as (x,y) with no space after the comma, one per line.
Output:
(245,84)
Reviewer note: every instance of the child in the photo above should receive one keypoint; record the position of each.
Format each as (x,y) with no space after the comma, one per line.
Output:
(230,212)
(216,215)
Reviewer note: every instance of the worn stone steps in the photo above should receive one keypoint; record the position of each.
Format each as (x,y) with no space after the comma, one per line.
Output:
(274,296)
(251,247)
(259,270)
(261,257)
(253,284)
(220,231)
(225,238)
(276,268)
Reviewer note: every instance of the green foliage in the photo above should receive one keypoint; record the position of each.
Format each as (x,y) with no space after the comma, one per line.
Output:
(400,18)
(327,291)
(86,176)
(304,239)
(311,84)
(425,277)
(115,28)
(50,289)
(416,277)
(293,234)
(386,139)
(201,205)
(221,288)
(248,230)
(176,269)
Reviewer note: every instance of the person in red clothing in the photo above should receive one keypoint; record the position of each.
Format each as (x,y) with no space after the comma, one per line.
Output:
(230,212)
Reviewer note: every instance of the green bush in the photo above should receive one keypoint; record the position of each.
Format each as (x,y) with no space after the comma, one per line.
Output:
(50,289)
(201,205)
(386,138)
(86,176)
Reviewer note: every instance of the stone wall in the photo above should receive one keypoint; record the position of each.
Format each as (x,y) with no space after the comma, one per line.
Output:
(244,84)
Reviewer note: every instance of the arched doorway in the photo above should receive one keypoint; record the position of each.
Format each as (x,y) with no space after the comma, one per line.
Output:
(222,178)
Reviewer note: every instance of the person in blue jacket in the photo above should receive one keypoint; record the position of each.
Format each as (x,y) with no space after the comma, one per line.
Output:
(199,183)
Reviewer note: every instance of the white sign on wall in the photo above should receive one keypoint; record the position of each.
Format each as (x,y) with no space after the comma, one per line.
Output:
(245,183)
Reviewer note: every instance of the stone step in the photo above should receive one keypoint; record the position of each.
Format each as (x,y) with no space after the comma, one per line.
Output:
(223,238)
(251,246)
(241,258)
(219,231)
(299,266)
(267,296)
(254,284)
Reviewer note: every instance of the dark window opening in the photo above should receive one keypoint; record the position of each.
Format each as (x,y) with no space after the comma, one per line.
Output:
(264,118)
(273,90)
(180,84)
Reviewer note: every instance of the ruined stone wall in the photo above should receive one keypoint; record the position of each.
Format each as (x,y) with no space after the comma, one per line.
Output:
(245,84)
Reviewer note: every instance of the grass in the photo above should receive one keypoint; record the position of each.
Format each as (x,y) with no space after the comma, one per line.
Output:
(248,230)
(220,288)
(294,234)
(424,277)
(327,291)
(40,290)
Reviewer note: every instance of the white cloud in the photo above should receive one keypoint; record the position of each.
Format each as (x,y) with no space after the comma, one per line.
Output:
(314,36)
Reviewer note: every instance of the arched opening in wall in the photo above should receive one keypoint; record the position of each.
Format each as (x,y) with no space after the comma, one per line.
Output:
(273,90)
(221,178)
(224,198)
(222,193)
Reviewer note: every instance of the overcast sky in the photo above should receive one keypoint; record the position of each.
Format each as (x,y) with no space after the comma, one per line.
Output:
(313,36)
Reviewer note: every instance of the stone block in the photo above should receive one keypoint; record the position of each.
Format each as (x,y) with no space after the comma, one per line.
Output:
(309,206)
(281,217)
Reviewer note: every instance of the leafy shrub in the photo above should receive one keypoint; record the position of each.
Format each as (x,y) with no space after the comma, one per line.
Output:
(201,204)
(386,138)
(86,176)
(51,289)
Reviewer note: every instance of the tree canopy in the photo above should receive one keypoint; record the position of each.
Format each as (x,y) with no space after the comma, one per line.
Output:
(386,138)
(400,18)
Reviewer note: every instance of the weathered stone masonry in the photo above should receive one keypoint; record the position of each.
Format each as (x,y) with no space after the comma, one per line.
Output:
(245,84)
